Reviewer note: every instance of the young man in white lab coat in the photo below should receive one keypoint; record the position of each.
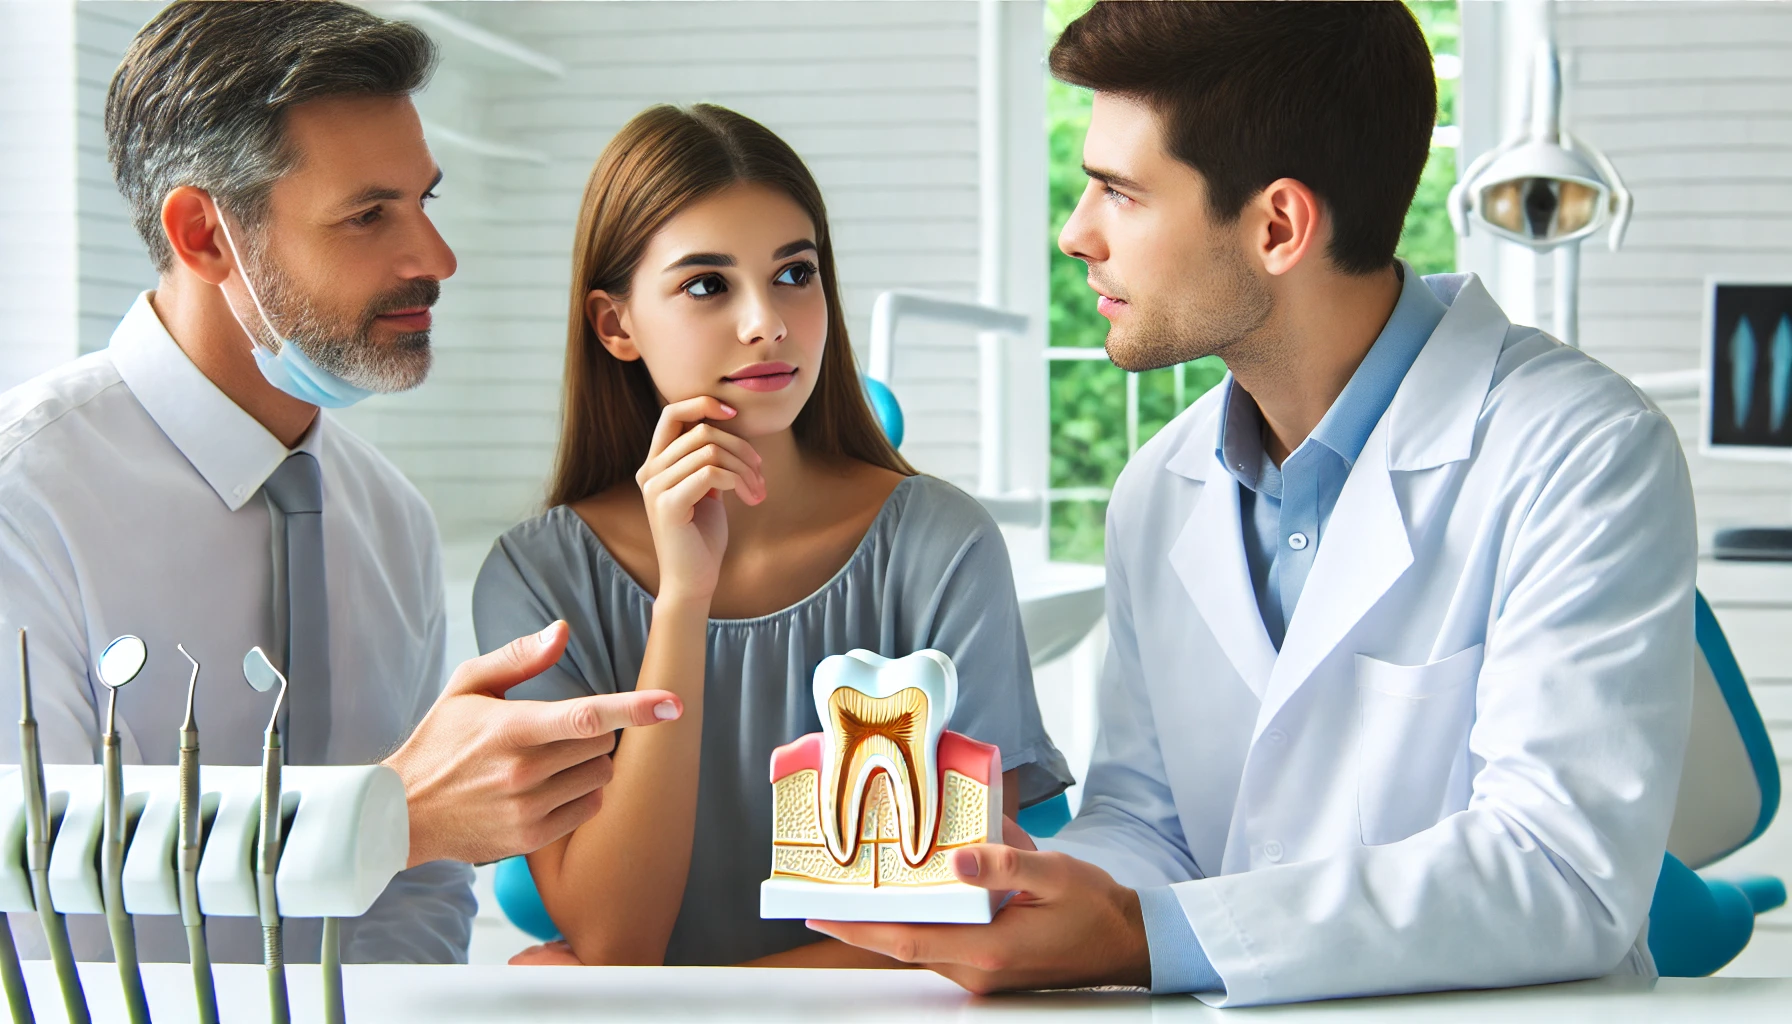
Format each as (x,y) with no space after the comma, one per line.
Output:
(1401,613)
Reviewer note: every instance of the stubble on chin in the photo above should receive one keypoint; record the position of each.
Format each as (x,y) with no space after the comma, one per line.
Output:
(1227,308)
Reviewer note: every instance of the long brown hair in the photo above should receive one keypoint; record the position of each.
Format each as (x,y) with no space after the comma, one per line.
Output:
(660,163)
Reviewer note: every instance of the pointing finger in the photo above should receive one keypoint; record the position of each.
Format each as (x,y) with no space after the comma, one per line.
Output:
(540,722)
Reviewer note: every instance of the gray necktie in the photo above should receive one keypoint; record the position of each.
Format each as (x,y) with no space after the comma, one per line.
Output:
(296,489)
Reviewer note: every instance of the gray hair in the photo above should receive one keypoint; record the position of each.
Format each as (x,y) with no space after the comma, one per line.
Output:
(201,95)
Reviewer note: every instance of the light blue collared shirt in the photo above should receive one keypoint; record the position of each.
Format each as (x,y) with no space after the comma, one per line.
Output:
(1283,512)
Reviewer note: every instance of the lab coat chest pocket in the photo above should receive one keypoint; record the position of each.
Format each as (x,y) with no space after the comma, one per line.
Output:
(1412,748)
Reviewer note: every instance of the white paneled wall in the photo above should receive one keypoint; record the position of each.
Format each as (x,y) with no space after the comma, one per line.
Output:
(37,189)
(113,265)
(1693,103)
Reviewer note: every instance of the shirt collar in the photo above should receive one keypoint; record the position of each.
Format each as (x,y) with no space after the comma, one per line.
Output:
(230,449)
(1346,426)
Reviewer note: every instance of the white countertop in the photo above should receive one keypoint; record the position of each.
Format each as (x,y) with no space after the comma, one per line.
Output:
(545,995)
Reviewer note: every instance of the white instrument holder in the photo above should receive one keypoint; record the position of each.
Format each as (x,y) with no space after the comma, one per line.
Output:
(347,835)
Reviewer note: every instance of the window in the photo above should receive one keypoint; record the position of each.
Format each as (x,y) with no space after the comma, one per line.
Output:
(1099,413)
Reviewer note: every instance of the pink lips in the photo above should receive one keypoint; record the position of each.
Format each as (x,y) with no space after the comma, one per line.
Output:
(763,376)
(1109,307)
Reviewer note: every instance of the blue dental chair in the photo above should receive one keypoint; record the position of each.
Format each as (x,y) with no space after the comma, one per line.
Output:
(1729,792)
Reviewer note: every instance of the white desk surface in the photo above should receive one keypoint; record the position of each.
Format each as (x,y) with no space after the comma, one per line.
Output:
(546,995)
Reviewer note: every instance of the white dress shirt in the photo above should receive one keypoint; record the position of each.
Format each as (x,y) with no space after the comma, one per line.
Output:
(130,502)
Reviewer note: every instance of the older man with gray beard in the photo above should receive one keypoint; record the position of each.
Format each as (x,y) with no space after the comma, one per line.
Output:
(183,485)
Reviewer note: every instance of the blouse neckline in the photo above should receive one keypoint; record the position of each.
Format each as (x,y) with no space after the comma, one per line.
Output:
(859,553)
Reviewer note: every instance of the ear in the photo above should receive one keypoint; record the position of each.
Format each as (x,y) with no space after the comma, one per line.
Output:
(1290,222)
(190,223)
(608,317)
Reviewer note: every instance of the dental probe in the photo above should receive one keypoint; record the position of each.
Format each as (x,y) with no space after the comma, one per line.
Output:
(262,675)
(18,997)
(37,848)
(120,663)
(331,961)
(198,953)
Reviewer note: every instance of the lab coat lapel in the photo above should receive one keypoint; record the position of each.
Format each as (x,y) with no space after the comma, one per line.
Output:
(1364,550)
(1208,557)
(1367,545)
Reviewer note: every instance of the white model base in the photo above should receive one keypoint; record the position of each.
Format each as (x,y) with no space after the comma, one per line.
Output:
(951,903)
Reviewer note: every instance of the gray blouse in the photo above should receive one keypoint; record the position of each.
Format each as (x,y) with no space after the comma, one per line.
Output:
(932,571)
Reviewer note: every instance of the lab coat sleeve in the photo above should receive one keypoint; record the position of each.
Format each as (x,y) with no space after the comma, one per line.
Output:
(39,592)
(1127,824)
(425,916)
(1581,717)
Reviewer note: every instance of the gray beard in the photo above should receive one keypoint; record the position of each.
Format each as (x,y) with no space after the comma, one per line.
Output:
(344,346)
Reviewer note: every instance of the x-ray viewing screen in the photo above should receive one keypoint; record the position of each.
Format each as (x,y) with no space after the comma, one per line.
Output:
(1749,382)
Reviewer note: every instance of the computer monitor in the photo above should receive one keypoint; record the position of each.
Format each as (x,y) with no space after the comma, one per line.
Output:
(1748,369)
(1746,408)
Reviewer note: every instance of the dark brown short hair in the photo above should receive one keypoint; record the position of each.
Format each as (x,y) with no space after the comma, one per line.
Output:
(201,94)
(1339,96)
(663,161)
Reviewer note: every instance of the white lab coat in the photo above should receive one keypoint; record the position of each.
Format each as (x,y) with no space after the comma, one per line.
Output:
(1460,769)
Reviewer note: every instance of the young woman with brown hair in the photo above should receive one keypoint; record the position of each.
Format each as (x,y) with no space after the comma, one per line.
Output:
(725,512)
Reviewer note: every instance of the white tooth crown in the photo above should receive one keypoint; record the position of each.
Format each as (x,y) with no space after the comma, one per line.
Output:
(882,714)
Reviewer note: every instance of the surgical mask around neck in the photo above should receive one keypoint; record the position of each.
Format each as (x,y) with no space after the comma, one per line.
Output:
(289,369)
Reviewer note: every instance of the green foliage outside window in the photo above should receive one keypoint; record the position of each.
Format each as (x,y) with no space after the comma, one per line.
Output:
(1090,439)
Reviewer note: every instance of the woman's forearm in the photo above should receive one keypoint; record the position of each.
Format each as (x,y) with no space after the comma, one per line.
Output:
(616,884)
(827,953)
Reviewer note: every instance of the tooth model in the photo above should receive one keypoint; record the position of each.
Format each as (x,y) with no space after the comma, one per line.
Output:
(866,812)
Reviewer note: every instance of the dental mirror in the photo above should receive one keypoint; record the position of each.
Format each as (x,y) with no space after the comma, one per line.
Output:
(260,672)
(122,659)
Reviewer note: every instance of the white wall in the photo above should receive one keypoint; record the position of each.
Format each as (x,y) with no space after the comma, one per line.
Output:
(37,189)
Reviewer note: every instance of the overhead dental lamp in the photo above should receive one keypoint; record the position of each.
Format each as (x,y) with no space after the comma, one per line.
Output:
(1546,190)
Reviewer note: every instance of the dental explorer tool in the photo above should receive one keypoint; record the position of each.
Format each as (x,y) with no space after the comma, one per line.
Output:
(18,997)
(37,848)
(120,663)
(198,953)
(262,675)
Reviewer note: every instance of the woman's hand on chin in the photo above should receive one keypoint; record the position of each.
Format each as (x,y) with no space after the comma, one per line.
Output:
(548,954)
(689,464)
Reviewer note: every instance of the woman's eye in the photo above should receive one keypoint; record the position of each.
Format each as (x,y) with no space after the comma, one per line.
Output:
(797,274)
(424,199)
(366,219)
(706,286)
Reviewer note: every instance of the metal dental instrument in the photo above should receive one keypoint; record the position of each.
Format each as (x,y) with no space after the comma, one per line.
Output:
(18,997)
(37,848)
(262,675)
(120,663)
(198,953)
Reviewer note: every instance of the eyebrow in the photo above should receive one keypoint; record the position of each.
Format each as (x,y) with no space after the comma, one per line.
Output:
(378,193)
(722,259)
(1111,178)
